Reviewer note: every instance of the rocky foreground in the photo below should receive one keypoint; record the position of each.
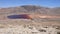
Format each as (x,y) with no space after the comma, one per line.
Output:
(28,27)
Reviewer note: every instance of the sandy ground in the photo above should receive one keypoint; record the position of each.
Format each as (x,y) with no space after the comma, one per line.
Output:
(25,26)
(28,26)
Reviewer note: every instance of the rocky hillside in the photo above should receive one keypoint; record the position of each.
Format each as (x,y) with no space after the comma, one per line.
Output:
(31,9)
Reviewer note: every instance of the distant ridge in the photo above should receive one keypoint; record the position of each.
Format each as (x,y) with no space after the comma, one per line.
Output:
(31,9)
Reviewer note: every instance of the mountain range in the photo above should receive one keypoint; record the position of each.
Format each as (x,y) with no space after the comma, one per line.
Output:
(31,9)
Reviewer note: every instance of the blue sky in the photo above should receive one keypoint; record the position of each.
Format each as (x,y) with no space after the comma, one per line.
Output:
(13,3)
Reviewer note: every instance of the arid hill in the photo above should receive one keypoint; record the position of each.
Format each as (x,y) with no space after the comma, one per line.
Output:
(31,9)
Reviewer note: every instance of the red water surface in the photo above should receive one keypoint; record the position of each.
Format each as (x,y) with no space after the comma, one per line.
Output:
(21,16)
